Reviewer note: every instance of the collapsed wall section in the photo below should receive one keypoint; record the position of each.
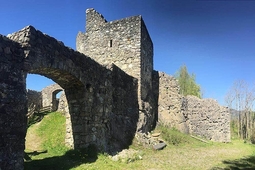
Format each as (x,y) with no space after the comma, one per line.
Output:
(202,117)
(206,118)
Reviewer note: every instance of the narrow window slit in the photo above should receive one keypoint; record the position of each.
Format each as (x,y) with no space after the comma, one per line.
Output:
(110,43)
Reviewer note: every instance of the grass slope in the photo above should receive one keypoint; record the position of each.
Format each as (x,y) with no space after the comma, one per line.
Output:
(182,152)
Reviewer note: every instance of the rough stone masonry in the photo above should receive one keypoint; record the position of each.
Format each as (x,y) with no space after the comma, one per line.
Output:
(110,86)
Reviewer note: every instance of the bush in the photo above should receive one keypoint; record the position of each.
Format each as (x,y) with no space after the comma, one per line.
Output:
(173,136)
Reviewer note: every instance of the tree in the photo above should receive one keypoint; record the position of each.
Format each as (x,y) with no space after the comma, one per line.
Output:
(187,82)
(241,98)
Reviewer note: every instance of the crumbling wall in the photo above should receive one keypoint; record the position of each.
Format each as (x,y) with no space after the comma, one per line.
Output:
(34,98)
(206,118)
(170,111)
(202,117)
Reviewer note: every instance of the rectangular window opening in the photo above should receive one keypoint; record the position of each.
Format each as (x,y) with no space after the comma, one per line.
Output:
(110,43)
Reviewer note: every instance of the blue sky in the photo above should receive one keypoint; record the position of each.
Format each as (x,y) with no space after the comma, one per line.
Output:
(214,39)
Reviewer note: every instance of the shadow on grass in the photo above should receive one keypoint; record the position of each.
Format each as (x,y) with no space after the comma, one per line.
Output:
(247,163)
(70,159)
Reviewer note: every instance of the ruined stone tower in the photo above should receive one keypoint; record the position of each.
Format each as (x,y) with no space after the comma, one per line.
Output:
(125,43)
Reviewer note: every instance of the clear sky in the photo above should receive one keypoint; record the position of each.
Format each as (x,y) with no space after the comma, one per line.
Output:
(214,39)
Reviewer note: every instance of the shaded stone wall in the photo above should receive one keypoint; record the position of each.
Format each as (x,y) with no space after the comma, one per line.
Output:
(13,105)
(145,95)
(202,117)
(34,98)
(125,112)
(127,44)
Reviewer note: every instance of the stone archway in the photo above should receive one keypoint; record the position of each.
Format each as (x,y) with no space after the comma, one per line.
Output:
(81,78)
(49,96)
(102,100)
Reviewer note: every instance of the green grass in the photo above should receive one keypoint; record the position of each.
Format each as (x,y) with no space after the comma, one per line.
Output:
(52,132)
(173,137)
(182,152)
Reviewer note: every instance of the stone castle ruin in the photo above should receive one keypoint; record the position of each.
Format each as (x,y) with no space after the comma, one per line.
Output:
(111,90)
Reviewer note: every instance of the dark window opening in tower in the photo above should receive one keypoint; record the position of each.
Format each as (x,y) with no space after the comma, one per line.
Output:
(110,43)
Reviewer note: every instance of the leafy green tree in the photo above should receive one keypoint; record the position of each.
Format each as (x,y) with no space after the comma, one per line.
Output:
(187,82)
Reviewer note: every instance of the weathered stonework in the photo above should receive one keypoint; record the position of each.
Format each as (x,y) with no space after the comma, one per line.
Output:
(49,96)
(13,105)
(34,98)
(63,105)
(127,44)
(170,111)
(89,89)
(46,56)
(206,118)
(202,117)
(111,90)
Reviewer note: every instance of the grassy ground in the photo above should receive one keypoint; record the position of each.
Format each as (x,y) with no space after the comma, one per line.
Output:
(182,152)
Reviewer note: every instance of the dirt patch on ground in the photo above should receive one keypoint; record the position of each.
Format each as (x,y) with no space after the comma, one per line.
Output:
(33,141)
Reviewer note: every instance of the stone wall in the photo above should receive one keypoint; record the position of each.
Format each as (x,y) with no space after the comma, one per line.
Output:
(202,117)
(63,105)
(127,44)
(34,98)
(76,73)
(170,111)
(13,105)
(90,90)
(49,97)
(206,118)
(125,112)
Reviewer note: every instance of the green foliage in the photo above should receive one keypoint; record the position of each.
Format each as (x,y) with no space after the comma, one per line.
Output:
(234,129)
(187,82)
